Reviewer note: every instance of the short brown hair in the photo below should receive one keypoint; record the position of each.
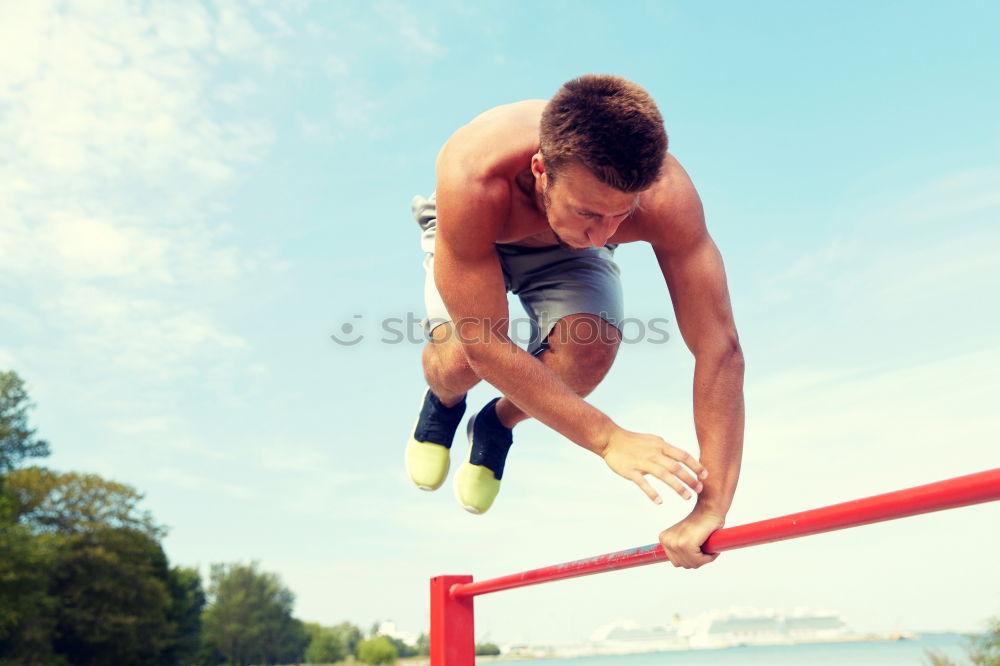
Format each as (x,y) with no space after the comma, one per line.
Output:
(608,124)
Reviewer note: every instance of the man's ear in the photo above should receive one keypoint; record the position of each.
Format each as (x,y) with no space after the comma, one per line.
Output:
(537,165)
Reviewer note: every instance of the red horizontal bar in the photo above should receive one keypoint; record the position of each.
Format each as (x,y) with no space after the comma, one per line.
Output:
(949,494)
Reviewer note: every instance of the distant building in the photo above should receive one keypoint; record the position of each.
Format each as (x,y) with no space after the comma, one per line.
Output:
(388,628)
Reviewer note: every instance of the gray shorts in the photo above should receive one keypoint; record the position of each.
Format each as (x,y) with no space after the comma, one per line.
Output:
(551,282)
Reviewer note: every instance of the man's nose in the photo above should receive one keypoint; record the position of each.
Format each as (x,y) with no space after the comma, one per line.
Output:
(601,232)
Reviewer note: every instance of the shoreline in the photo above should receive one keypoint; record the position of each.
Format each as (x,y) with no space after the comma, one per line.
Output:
(542,652)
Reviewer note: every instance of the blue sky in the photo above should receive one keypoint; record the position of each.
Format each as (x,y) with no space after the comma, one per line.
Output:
(193,196)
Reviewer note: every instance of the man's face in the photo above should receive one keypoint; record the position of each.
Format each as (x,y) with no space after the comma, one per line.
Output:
(581,210)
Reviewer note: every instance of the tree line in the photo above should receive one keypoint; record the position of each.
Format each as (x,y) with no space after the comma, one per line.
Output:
(84,579)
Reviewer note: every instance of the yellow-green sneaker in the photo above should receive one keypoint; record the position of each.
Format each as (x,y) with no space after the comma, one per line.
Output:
(428,451)
(477,481)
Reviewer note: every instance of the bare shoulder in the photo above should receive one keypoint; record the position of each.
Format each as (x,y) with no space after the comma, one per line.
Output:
(496,143)
(670,214)
(476,170)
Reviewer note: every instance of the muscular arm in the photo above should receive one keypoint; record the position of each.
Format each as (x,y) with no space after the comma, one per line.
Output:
(693,270)
(697,283)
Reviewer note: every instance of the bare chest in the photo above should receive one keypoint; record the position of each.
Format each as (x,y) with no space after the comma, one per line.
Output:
(526,225)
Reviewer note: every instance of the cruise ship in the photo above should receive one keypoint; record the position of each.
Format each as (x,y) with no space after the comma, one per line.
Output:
(750,626)
(714,629)
(722,628)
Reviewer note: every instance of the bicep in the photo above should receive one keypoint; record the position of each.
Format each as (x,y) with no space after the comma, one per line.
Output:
(696,278)
(472,288)
(467,269)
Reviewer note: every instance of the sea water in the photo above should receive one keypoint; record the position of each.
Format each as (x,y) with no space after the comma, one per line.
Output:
(866,653)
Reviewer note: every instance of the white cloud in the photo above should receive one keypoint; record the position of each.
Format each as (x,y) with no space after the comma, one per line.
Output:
(84,248)
(143,425)
(296,458)
(188,481)
(236,93)
(191,445)
(279,23)
(335,66)
(412,34)
(236,36)
(110,152)
(940,236)
(818,265)
(157,338)
(181,26)
(953,199)
(825,436)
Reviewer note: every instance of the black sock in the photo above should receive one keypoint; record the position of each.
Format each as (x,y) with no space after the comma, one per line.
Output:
(490,440)
(439,406)
(438,423)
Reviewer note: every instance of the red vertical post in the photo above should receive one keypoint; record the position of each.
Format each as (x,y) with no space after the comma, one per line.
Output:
(452,624)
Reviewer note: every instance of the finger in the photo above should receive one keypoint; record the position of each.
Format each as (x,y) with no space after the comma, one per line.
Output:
(683,456)
(663,474)
(700,560)
(683,474)
(698,557)
(682,553)
(688,560)
(677,555)
(643,484)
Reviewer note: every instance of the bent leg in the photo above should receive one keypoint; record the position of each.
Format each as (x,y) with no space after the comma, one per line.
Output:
(580,350)
(446,368)
(428,452)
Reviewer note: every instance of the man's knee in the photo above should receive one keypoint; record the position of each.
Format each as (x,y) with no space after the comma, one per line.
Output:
(583,347)
(445,357)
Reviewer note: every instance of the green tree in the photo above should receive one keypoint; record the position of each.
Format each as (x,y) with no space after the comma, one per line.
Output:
(249,617)
(83,578)
(208,654)
(423,645)
(26,560)
(487,649)
(937,658)
(403,649)
(114,604)
(349,634)
(291,645)
(100,588)
(48,501)
(325,645)
(187,601)
(27,607)
(17,439)
(377,650)
(983,649)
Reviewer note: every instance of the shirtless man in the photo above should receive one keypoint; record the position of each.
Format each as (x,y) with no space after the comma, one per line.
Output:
(532,197)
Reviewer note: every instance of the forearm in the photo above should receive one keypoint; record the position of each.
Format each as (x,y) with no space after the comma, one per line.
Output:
(719,419)
(540,393)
